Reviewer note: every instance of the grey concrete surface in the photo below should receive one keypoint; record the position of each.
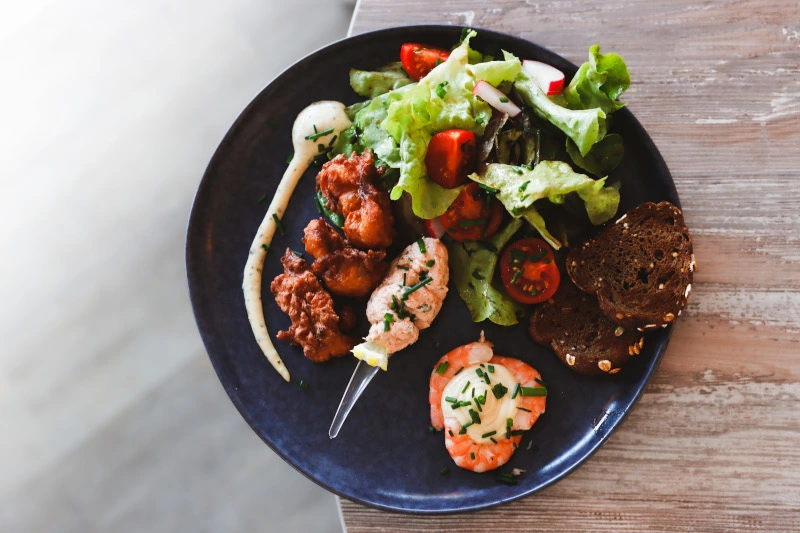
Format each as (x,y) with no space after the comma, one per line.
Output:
(111,417)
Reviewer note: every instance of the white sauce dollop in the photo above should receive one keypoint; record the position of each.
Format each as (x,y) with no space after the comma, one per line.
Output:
(494,413)
(322,115)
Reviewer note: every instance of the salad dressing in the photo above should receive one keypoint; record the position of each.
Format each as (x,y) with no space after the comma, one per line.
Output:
(494,412)
(317,118)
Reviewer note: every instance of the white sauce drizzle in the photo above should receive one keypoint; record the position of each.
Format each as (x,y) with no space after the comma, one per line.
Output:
(322,115)
(494,413)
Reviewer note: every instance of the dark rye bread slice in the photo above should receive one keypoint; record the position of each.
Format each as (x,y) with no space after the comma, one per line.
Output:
(572,324)
(640,267)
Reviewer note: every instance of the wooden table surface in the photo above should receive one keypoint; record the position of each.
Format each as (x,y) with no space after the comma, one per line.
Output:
(714,443)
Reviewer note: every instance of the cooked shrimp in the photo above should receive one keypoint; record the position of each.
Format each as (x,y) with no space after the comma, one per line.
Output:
(483,424)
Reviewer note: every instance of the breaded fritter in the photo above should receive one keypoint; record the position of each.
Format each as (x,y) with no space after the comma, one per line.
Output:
(350,188)
(315,323)
(346,271)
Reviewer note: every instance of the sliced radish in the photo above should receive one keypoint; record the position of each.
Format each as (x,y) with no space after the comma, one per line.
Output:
(547,77)
(495,98)
(434,228)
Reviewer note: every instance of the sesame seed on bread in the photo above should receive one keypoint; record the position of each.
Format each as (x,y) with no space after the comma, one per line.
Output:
(588,342)
(640,268)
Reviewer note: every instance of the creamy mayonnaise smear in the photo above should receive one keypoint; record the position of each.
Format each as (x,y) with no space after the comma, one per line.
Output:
(494,414)
(318,117)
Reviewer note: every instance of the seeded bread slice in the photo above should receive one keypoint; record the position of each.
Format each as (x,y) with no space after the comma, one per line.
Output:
(585,339)
(640,267)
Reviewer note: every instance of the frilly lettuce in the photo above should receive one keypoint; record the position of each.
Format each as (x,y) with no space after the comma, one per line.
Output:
(442,100)
(584,126)
(381,81)
(519,188)
(472,266)
(598,83)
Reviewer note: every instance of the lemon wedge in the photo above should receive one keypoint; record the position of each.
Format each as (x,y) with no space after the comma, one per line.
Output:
(372,353)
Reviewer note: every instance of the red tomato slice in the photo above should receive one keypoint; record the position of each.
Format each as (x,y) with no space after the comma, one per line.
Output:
(451,157)
(419,59)
(469,217)
(529,271)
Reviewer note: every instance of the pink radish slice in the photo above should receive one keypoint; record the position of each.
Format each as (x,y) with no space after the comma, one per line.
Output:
(495,98)
(548,78)
(434,228)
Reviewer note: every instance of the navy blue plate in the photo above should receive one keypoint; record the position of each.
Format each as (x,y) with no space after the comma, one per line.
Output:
(384,456)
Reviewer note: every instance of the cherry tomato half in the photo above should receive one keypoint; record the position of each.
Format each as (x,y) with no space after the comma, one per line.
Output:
(451,157)
(529,271)
(419,59)
(470,217)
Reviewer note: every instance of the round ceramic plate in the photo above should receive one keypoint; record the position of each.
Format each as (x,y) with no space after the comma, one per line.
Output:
(384,456)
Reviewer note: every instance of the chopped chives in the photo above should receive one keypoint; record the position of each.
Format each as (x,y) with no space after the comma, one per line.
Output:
(534,291)
(524,186)
(492,439)
(476,419)
(441,92)
(304,384)
(508,479)
(539,381)
(333,140)
(439,61)
(388,318)
(442,368)
(317,134)
(486,378)
(472,455)
(465,388)
(450,399)
(515,432)
(477,275)
(290,157)
(451,432)
(395,304)
(499,390)
(262,198)
(515,279)
(516,391)
(479,372)
(503,99)
(473,393)
(404,281)
(533,391)
(415,287)
(431,429)
(479,121)
(444,471)
(265,246)
(458,371)
(489,434)
(478,404)
(320,148)
(402,267)
(523,409)
(298,254)
(429,263)
(488,188)
(491,369)
(421,245)
(423,274)
(509,422)
(517,170)
(279,224)
(464,428)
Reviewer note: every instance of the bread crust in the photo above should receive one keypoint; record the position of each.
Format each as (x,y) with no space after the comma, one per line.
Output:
(640,268)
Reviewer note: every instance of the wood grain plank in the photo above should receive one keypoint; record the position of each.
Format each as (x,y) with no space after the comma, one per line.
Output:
(713,444)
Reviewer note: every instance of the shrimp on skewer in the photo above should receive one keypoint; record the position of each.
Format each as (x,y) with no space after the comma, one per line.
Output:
(471,393)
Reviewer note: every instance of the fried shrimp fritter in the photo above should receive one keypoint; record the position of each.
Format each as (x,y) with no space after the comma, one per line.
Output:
(349,186)
(315,323)
(346,271)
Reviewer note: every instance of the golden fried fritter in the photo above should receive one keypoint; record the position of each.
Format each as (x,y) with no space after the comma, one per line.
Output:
(349,186)
(346,271)
(315,324)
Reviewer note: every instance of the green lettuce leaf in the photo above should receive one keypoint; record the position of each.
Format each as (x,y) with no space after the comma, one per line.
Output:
(598,83)
(518,188)
(472,266)
(584,126)
(375,83)
(605,155)
(442,100)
